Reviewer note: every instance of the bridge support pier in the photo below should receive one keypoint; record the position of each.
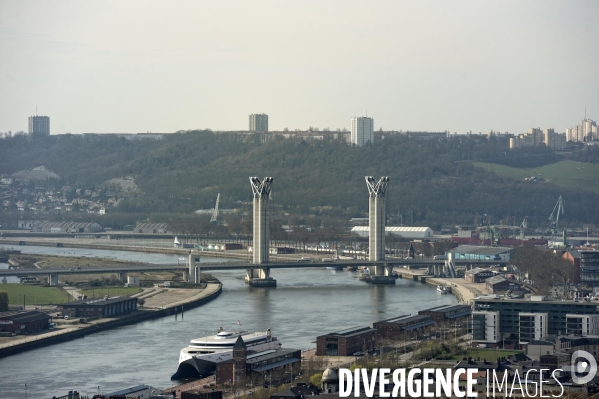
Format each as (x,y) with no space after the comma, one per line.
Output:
(123,277)
(53,279)
(186,276)
(260,278)
(193,270)
(261,219)
(382,274)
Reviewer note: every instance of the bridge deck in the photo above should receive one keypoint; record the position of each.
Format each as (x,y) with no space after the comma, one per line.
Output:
(235,266)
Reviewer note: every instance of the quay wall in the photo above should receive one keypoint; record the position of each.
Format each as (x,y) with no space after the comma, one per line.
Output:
(136,317)
(160,250)
(462,292)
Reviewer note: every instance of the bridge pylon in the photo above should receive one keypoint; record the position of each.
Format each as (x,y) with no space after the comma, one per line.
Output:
(376,227)
(261,229)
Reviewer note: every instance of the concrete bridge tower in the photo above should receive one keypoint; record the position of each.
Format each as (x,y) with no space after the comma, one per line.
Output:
(261,193)
(376,223)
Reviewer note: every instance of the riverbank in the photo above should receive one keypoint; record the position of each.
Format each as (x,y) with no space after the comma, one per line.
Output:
(165,303)
(309,362)
(465,292)
(80,243)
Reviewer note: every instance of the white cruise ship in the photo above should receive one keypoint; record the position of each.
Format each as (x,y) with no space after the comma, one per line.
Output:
(200,357)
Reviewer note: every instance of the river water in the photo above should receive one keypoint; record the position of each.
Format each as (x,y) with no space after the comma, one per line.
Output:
(305,304)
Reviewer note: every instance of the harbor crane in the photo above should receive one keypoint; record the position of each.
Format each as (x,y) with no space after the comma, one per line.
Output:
(523,227)
(215,210)
(554,217)
(490,232)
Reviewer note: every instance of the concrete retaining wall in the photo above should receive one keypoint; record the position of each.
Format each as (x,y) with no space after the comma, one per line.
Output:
(140,315)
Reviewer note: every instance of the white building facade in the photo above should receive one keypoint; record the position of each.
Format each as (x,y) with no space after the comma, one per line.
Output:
(405,232)
(362,131)
(536,137)
(582,324)
(532,326)
(485,326)
(585,131)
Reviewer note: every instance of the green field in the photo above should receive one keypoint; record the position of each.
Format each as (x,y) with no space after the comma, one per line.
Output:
(110,291)
(571,174)
(34,294)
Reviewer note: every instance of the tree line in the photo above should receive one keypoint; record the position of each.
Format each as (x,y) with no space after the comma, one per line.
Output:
(432,182)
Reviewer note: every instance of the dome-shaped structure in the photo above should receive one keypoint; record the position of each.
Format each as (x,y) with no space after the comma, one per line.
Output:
(330,380)
(330,375)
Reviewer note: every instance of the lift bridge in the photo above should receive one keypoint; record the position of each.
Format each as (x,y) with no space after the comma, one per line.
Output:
(191,269)
(258,271)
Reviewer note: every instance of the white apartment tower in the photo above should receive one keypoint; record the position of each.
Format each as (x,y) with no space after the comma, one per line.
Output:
(536,137)
(39,126)
(258,123)
(362,131)
(587,130)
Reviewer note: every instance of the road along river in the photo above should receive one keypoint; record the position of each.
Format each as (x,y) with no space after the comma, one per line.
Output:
(305,304)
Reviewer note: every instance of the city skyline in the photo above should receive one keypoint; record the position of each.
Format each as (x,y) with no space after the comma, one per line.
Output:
(422,66)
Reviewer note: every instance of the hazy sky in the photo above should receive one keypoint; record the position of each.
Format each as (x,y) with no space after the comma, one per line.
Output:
(163,66)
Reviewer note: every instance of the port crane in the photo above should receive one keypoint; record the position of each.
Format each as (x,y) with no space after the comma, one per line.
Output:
(215,210)
(523,227)
(490,232)
(554,217)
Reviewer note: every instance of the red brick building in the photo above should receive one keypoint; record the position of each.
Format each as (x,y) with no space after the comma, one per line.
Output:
(346,342)
(391,328)
(477,275)
(443,313)
(274,365)
(24,322)
(574,257)
(498,283)
(108,307)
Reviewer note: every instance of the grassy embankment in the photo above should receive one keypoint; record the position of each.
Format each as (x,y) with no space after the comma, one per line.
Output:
(570,174)
(100,292)
(34,294)
(72,262)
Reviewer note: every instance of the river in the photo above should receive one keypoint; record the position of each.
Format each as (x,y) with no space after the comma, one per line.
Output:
(305,304)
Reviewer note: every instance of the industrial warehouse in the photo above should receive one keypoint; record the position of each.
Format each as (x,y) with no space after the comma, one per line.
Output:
(24,322)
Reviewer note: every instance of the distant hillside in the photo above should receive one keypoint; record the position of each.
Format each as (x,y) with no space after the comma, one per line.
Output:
(36,174)
(570,174)
(431,181)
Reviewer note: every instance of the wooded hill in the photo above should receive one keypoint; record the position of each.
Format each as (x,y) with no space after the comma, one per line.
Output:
(432,182)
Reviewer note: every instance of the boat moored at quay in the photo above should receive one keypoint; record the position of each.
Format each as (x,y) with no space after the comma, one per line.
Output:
(199,359)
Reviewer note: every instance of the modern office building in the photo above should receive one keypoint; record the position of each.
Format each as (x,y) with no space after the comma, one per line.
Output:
(258,123)
(589,267)
(405,232)
(511,309)
(582,324)
(362,131)
(485,326)
(39,126)
(533,326)
(474,252)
